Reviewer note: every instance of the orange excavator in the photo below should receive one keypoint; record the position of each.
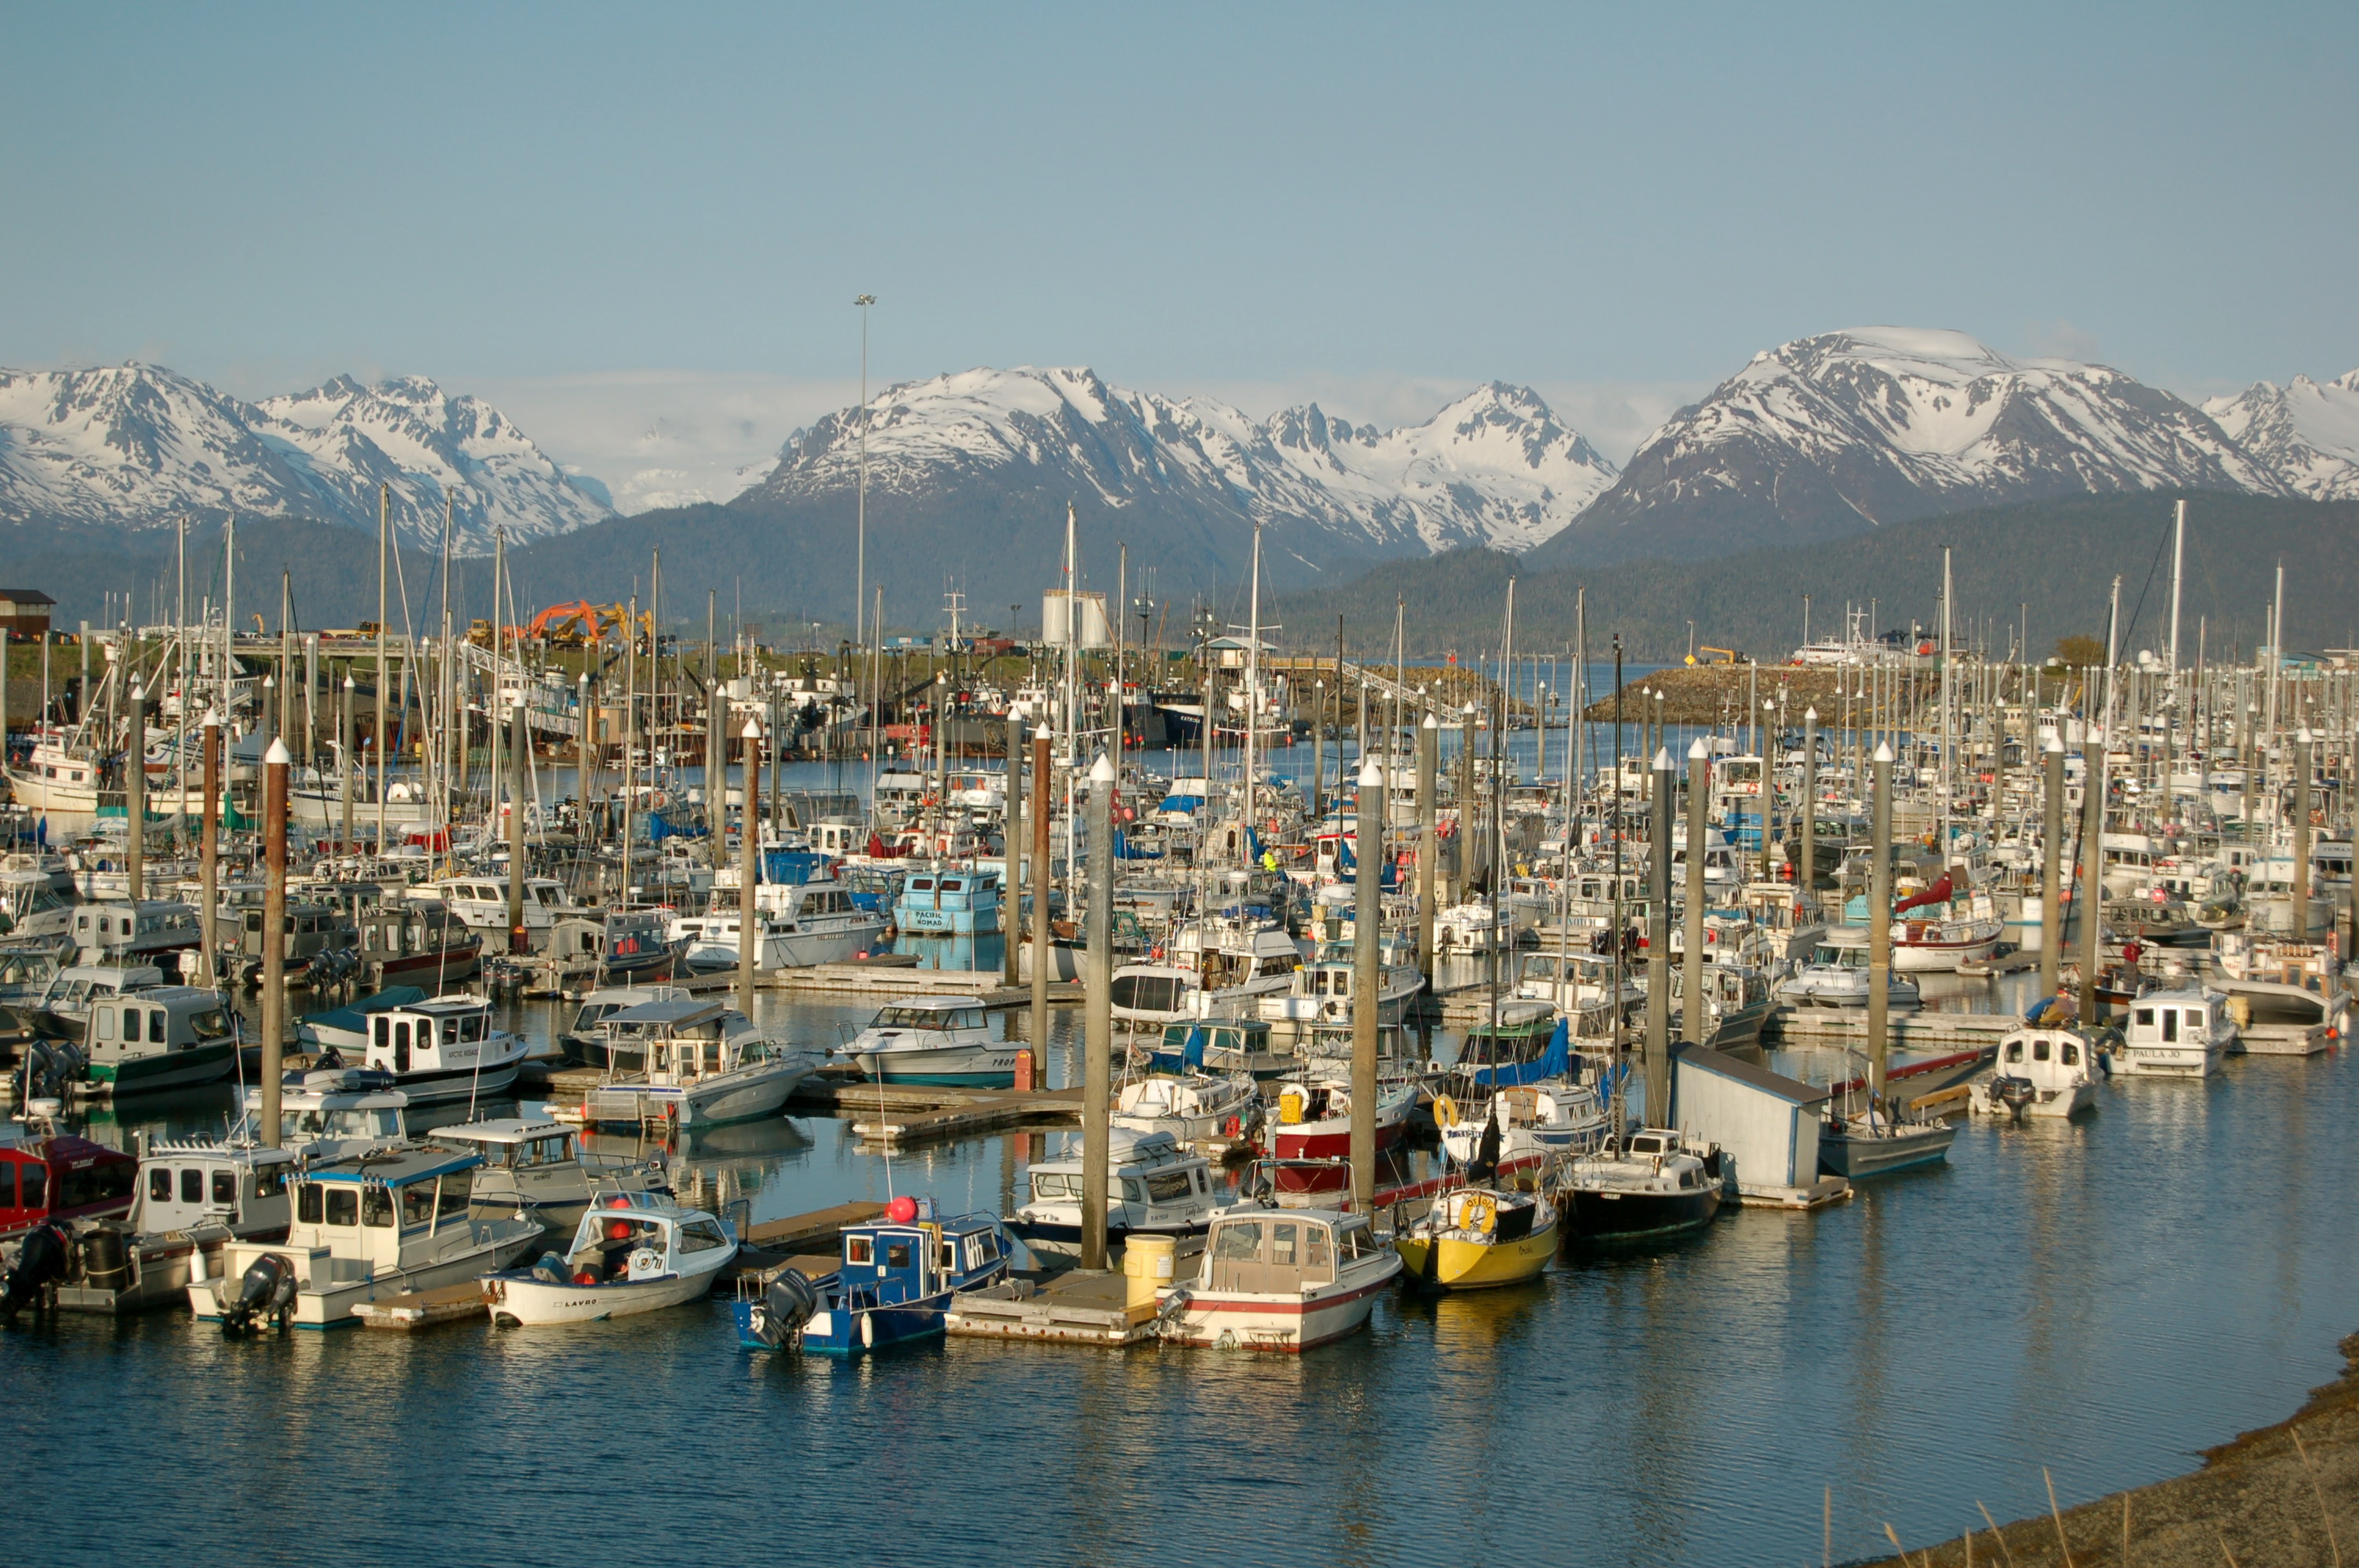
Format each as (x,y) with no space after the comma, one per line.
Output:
(579,624)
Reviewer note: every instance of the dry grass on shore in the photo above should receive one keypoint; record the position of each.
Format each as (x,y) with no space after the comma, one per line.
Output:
(2282,1496)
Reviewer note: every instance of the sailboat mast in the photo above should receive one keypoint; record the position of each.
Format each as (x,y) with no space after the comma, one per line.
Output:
(1253,697)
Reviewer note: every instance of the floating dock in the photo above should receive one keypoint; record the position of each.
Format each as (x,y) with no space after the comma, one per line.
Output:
(1071,1308)
(910,1113)
(1789,1025)
(423,1309)
(873,978)
(798,1233)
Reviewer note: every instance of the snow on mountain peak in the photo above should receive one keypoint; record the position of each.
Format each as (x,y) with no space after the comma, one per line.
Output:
(2307,432)
(136,445)
(1495,468)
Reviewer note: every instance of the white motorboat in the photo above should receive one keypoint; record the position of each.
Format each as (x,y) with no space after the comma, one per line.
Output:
(2040,1072)
(1154,1187)
(1473,927)
(1324,990)
(933,1040)
(535,1166)
(2175,1035)
(1282,1279)
(333,1113)
(1192,1107)
(445,1049)
(482,903)
(800,925)
(364,1229)
(631,1256)
(701,1065)
(1837,975)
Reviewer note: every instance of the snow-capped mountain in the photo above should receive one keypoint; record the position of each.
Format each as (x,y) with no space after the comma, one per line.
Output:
(2307,434)
(136,445)
(1494,468)
(1836,434)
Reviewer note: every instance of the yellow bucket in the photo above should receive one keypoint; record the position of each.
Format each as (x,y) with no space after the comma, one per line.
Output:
(1146,1264)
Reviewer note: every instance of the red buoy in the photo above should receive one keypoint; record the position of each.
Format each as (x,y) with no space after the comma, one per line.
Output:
(901,1210)
(585,1277)
(618,1229)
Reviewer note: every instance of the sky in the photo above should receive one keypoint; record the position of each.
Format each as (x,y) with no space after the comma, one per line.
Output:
(640,230)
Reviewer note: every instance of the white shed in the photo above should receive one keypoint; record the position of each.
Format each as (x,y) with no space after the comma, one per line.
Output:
(1766,1122)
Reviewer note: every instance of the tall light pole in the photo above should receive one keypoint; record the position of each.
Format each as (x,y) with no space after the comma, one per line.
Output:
(859,567)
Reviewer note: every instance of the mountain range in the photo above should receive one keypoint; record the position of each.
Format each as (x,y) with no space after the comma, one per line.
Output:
(970,473)
(136,445)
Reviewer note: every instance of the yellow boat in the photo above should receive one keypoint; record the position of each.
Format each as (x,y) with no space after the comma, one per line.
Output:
(1478,1237)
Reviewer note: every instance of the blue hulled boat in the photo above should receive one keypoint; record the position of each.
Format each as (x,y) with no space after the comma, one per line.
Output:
(893,1284)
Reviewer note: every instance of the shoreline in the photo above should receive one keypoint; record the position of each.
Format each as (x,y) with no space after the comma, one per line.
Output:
(2258,1498)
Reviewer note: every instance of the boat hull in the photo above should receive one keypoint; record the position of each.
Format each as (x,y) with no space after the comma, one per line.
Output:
(1222,1319)
(1855,1158)
(1450,1264)
(164,1070)
(990,1066)
(1606,1216)
(2167,1061)
(523,1302)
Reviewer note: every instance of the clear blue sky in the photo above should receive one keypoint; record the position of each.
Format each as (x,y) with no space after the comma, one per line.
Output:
(1183,196)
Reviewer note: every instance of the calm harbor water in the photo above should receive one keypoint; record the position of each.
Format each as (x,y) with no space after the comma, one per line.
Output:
(2102,1299)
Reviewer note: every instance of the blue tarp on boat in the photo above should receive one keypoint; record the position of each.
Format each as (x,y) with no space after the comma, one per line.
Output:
(1553,1063)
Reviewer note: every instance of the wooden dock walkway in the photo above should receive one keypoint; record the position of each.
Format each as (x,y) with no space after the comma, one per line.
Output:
(423,1309)
(1791,1025)
(975,1111)
(873,979)
(798,1233)
(1071,1308)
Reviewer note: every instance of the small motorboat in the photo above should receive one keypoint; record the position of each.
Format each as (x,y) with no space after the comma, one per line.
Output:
(1478,1237)
(1836,975)
(194,1197)
(1874,1143)
(892,1285)
(1314,1117)
(2040,1072)
(635,1254)
(1153,1187)
(535,1166)
(933,1040)
(1279,1278)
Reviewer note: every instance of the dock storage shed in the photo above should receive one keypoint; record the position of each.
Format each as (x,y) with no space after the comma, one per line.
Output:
(1767,1123)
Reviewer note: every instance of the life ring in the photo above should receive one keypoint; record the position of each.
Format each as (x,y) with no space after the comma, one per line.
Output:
(1480,1214)
(1445,1112)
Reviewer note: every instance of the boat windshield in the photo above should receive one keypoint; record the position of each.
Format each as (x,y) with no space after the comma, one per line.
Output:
(930,1018)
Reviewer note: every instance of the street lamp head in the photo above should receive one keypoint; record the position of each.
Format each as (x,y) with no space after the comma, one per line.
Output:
(865,300)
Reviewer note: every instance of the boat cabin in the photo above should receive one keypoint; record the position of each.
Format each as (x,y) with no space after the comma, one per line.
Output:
(960,1018)
(513,1143)
(73,990)
(678,1036)
(413,928)
(1282,1252)
(335,1115)
(887,1264)
(363,1211)
(62,1177)
(640,1239)
(131,1038)
(186,1183)
(449,1034)
(1218,1046)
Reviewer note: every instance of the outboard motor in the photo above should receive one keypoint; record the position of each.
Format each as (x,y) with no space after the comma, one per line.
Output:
(41,1262)
(48,1070)
(264,1292)
(2013,1093)
(784,1308)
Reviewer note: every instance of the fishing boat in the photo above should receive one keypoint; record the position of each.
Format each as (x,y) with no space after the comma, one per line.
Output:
(1477,1237)
(444,1049)
(1652,1184)
(891,1286)
(806,924)
(703,1067)
(364,1229)
(346,1030)
(331,1113)
(415,941)
(2175,1035)
(1314,1116)
(933,1040)
(630,1255)
(1323,991)
(2040,1072)
(66,1002)
(1154,1187)
(48,1177)
(945,901)
(195,1196)
(585,1041)
(160,1038)
(1222,1045)
(1279,1279)
(635,945)
(31,906)
(536,1167)
(1535,1120)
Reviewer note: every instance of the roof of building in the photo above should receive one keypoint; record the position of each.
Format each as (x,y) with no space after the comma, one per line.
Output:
(1792,1090)
(26,596)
